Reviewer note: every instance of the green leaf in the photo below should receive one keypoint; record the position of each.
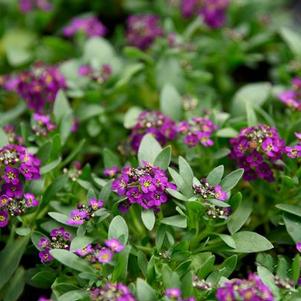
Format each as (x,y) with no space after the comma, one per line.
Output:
(10,258)
(268,279)
(250,242)
(253,94)
(106,191)
(49,167)
(292,39)
(240,216)
(23,231)
(120,270)
(148,218)
(110,158)
(177,195)
(163,158)
(177,178)
(3,138)
(293,226)
(136,53)
(71,260)
(187,175)
(18,45)
(171,102)
(228,266)
(57,185)
(73,295)
(226,133)
(176,221)
(80,242)
(59,217)
(61,107)
(251,116)
(131,117)
(43,279)
(232,179)
(144,291)
(98,51)
(215,176)
(149,149)
(7,117)
(15,286)
(228,240)
(119,229)
(296,268)
(293,209)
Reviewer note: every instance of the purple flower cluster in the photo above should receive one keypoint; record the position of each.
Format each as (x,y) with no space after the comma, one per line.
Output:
(155,123)
(59,239)
(38,87)
(30,5)
(84,213)
(143,30)
(175,294)
(207,191)
(145,186)
(292,97)
(256,149)
(102,254)
(212,11)
(111,172)
(42,124)
(89,25)
(294,151)
(17,167)
(15,207)
(252,289)
(197,130)
(111,292)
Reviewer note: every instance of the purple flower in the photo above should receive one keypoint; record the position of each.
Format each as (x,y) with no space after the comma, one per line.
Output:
(213,12)
(155,123)
(293,151)
(198,130)
(220,194)
(111,171)
(112,292)
(30,5)
(13,191)
(85,70)
(44,243)
(292,98)
(3,218)
(45,256)
(115,245)
(142,30)
(30,200)
(4,201)
(88,249)
(95,204)
(298,246)
(104,255)
(89,25)
(42,298)
(146,184)
(11,175)
(173,293)
(244,289)
(43,125)
(77,217)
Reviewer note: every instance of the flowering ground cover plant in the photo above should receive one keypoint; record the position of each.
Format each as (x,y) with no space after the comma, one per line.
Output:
(150,150)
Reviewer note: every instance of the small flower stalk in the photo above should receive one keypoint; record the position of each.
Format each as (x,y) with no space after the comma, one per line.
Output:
(156,123)
(84,213)
(198,130)
(59,239)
